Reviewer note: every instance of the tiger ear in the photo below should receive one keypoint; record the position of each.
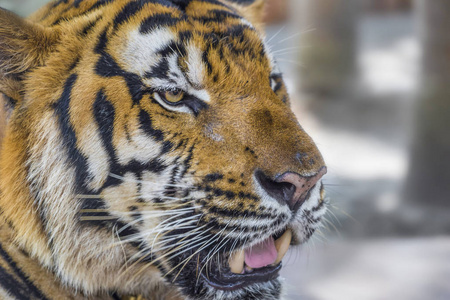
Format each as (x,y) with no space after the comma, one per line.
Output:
(252,10)
(23,46)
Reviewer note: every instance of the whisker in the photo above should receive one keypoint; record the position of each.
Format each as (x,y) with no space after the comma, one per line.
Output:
(206,244)
(288,49)
(98,218)
(290,37)
(219,247)
(276,34)
(291,62)
(133,196)
(169,253)
(184,235)
(296,34)
(147,182)
(158,229)
(144,252)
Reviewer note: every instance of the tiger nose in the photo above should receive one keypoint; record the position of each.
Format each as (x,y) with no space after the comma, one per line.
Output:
(290,188)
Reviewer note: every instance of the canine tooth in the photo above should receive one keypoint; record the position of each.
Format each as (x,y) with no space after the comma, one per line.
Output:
(282,245)
(236,262)
(322,195)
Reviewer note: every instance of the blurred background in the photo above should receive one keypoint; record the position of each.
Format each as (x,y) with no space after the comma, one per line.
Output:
(370,82)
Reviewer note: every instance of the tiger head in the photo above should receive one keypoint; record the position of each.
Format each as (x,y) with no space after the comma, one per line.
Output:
(151,148)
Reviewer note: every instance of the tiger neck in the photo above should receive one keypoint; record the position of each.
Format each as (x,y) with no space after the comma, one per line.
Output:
(21,275)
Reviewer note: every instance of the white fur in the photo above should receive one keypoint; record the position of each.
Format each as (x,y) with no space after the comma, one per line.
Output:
(139,55)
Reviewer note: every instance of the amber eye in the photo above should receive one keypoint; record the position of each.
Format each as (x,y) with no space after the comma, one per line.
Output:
(174,96)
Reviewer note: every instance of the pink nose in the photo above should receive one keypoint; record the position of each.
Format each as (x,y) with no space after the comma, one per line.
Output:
(303,186)
(290,188)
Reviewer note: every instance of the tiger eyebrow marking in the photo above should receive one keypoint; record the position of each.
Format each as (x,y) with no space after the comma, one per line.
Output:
(106,66)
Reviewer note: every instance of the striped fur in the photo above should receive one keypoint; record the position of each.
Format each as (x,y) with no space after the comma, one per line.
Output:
(108,190)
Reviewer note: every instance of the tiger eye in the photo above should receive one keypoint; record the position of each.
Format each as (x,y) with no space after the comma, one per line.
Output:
(174,96)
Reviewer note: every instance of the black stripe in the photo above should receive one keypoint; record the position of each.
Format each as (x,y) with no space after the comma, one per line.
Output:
(172,48)
(102,42)
(278,80)
(184,36)
(145,122)
(76,5)
(111,181)
(167,147)
(238,31)
(181,4)
(75,63)
(155,166)
(91,24)
(11,102)
(243,2)
(277,87)
(224,60)
(217,16)
(218,223)
(216,2)
(107,67)
(75,158)
(98,4)
(12,286)
(29,285)
(104,114)
(116,297)
(92,204)
(213,177)
(158,20)
(239,213)
(310,216)
(131,9)
(58,3)
(159,71)
(207,62)
(187,161)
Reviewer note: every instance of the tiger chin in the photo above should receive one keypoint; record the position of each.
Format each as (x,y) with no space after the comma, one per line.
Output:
(150,150)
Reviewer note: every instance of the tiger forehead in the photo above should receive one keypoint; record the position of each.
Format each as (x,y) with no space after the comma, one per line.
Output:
(172,47)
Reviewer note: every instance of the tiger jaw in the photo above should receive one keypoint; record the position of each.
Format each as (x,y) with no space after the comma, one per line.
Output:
(257,262)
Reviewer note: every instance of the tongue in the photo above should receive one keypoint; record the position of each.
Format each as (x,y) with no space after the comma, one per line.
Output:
(262,254)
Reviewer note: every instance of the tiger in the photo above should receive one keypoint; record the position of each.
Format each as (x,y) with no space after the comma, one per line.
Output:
(149,152)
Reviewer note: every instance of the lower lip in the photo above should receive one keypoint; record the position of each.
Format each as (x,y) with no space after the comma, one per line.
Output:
(232,282)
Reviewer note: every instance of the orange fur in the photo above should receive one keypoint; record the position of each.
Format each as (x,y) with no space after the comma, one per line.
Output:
(91,151)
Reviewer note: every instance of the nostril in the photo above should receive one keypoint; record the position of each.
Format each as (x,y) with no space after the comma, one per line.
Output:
(303,185)
(288,191)
(281,191)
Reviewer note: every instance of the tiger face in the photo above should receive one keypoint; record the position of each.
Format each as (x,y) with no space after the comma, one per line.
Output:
(152,150)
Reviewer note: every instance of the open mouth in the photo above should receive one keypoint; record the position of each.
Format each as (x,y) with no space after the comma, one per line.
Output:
(257,264)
